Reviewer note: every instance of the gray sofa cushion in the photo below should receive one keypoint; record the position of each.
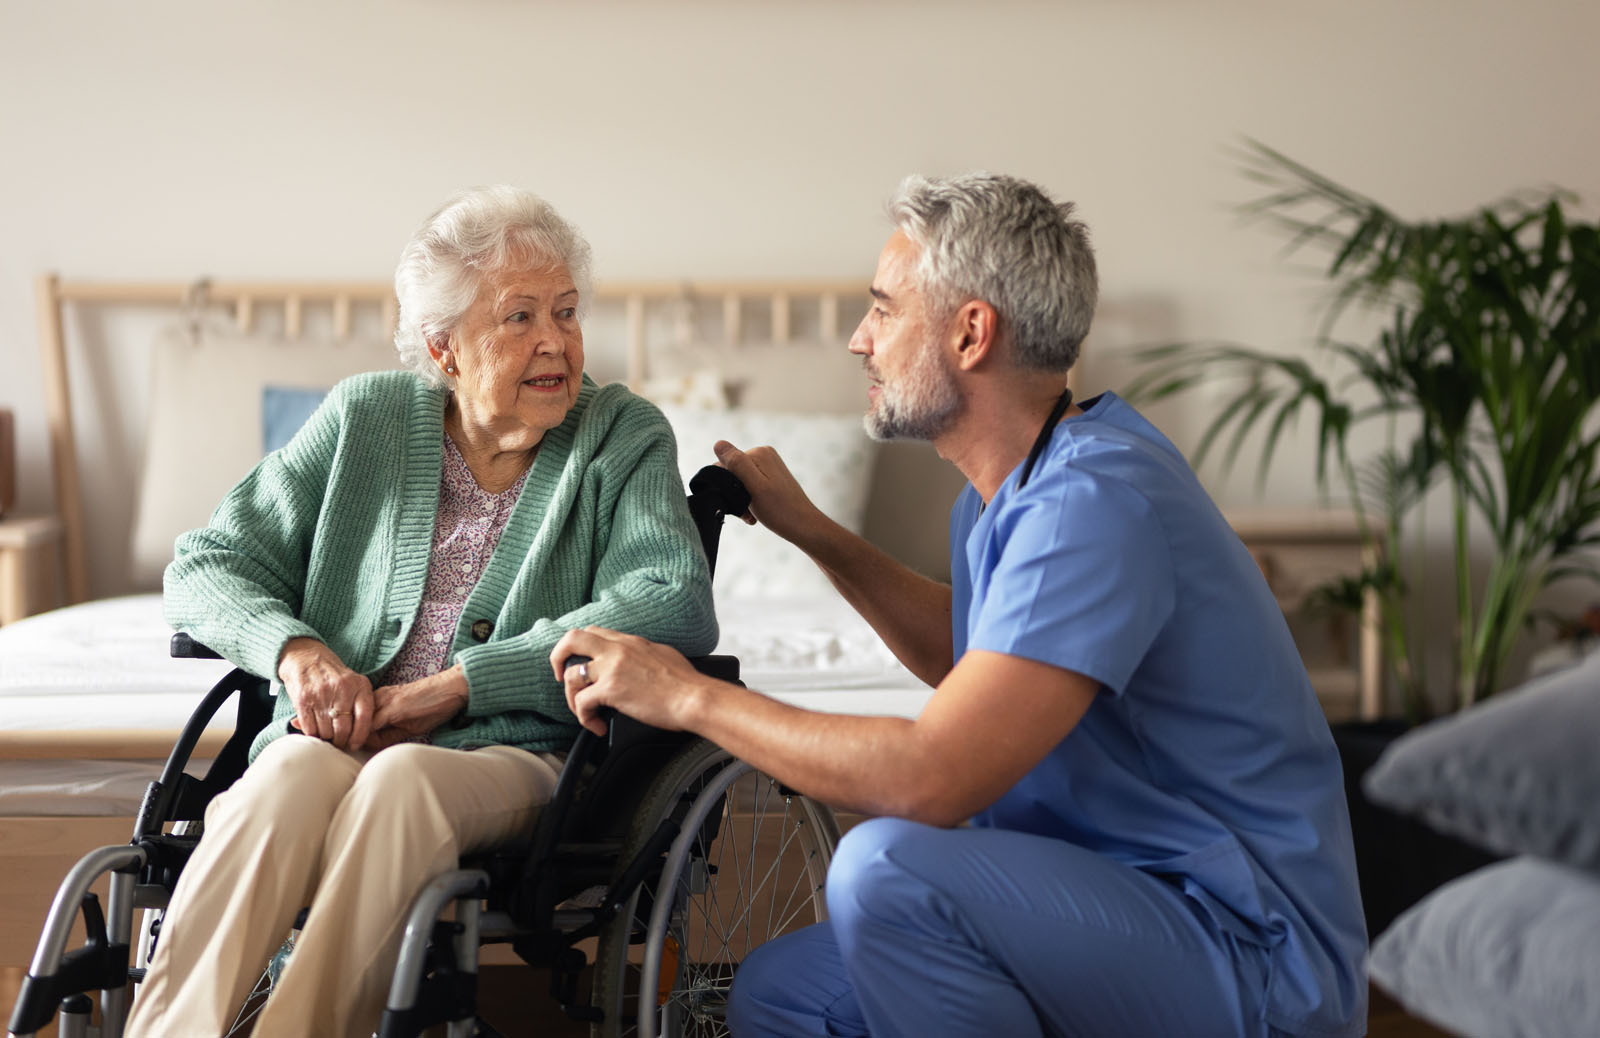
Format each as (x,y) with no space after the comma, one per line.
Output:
(1518,774)
(1509,951)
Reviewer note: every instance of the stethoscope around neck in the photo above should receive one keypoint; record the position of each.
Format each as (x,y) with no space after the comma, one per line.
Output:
(1042,441)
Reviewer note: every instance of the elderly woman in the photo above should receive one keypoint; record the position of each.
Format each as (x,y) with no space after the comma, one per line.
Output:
(404,568)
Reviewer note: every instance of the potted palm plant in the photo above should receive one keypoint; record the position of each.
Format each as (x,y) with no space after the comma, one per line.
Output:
(1484,376)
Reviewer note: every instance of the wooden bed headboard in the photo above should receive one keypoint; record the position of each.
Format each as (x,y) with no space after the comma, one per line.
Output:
(653,315)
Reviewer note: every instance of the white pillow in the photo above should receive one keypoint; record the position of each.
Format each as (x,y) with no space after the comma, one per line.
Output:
(912,487)
(799,377)
(1517,774)
(1508,951)
(831,456)
(205,426)
(704,389)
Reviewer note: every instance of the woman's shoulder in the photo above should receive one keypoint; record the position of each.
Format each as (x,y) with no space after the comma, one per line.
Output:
(610,428)
(392,394)
(618,410)
(376,407)
(381,385)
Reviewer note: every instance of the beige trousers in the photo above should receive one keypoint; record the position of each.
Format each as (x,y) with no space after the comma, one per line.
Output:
(354,837)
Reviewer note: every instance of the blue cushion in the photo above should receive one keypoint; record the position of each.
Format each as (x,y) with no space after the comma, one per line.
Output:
(1518,774)
(1508,951)
(284,409)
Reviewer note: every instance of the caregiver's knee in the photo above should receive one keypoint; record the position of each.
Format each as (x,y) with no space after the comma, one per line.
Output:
(761,977)
(865,866)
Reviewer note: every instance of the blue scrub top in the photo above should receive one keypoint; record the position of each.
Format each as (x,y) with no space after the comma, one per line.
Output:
(1206,759)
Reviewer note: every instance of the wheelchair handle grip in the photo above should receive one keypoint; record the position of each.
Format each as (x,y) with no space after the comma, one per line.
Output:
(722,489)
(714,494)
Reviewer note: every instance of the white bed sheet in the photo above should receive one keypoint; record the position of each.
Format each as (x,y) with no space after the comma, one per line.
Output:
(105,665)
(818,653)
(99,665)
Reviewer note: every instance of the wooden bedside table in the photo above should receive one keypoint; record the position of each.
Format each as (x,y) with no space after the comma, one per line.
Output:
(1298,552)
(30,564)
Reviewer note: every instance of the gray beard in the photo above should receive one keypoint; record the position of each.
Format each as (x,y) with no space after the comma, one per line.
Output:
(920,411)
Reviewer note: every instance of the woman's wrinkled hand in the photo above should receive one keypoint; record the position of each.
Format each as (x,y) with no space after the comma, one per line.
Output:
(639,677)
(331,701)
(408,712)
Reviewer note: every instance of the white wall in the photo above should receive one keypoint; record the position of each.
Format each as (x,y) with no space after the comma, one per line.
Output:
(701,138)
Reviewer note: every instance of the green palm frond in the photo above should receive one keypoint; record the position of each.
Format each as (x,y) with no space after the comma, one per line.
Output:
(1489,355)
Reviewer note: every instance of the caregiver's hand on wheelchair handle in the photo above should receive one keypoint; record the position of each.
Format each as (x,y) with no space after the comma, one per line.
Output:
(777,500)
(331,701)
(631,674)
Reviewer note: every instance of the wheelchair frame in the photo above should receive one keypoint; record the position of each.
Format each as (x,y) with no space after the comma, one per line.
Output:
(645,844)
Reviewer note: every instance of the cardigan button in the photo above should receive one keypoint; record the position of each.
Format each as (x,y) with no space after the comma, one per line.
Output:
(481,629)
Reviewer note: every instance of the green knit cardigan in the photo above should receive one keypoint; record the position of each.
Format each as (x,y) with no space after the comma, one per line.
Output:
(329,538)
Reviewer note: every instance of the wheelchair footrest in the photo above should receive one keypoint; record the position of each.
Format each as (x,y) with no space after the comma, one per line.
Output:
(100,964)
(447,993)
(38,997)
(590,898)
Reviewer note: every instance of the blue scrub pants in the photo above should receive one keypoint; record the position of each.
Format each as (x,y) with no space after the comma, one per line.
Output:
(984,932)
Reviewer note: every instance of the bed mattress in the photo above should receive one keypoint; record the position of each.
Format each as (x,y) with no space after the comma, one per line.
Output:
(101,665)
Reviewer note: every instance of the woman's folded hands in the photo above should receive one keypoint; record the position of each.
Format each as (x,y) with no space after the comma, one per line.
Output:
(336,704)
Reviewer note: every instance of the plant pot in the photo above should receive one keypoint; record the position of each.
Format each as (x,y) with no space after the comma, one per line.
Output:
(1399,860)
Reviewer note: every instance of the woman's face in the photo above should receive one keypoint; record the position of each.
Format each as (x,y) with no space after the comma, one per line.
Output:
(517,354)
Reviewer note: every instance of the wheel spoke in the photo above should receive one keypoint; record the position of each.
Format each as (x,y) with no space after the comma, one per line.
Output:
(254,1002)
(749,903)
(762,878)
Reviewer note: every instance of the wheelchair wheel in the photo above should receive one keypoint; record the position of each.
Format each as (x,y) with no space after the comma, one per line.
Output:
(748,865)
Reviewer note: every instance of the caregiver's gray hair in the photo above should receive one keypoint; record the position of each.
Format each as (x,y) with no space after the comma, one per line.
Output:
(479,231)
(1003,241)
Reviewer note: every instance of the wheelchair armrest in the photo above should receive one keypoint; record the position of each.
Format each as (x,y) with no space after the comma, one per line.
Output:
(183,647)
(173,795)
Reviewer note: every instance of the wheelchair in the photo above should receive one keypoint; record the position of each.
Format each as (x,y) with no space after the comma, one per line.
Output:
(661,853)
